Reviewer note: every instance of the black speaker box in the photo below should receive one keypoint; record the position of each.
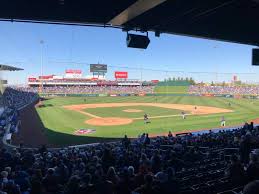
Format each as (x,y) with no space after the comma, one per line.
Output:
(137,41)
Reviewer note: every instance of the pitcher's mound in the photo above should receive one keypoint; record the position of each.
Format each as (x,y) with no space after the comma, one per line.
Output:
(132,110)
(108,121)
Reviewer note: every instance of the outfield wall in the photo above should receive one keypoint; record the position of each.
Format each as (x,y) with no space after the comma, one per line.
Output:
(150,94)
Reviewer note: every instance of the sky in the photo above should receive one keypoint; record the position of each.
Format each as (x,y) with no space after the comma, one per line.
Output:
(75,47)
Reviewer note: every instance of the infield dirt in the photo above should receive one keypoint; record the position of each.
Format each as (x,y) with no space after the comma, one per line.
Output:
(109,121)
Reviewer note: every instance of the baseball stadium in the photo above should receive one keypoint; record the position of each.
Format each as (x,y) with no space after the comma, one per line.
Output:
(129,97)
(74,109)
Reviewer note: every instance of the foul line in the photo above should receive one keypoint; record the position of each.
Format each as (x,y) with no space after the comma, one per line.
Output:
(88,114)
(162,116)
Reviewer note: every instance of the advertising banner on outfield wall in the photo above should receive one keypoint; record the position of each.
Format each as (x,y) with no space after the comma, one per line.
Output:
(193,94)
(170,94)
(155,81)
(124,94)
(121,74)
(237,96)
(228,96)
(250,97)
(219,95)
(207,95)
(82,95)
(103,94)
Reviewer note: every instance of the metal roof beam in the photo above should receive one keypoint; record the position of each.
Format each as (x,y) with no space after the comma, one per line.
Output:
(9,68)
(136,9)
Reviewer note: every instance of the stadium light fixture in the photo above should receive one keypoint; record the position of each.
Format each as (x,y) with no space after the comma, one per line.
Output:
(255,56)
(137,41)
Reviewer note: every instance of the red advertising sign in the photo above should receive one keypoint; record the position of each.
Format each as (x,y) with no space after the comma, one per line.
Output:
(74,71)
(46,77)
(121,74)
(32,79)
(155,81)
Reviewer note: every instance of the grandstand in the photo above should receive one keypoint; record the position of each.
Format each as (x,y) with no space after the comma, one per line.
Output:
(73,82)
(76,134)
(12,101)
(220,161)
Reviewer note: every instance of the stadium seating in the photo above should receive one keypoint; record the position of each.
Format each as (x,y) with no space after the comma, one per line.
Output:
(209,163)
(93,89)
(234,90)
(13,101)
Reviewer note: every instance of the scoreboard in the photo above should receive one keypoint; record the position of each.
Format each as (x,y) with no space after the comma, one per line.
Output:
(98,68)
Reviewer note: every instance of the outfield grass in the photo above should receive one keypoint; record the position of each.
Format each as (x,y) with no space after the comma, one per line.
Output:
(58,120)
(171,89)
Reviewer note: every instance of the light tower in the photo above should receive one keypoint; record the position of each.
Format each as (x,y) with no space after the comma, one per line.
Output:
(41,66)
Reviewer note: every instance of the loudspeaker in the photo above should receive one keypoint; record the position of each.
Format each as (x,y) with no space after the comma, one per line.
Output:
(137,41)
(157,33)
(255,57)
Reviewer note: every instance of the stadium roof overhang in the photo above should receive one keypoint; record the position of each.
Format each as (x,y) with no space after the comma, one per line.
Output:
(228,20)
(9,68)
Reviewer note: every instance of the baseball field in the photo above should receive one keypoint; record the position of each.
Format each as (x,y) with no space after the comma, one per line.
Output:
(77,120)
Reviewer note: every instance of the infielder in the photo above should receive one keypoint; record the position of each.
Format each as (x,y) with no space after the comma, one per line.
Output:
(146,119)
(183,115)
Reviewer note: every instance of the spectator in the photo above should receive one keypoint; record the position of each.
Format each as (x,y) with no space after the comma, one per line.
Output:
(172,185)
(36,182)
(170,135)
(253,168)
(50,182)
(126,142)
(72,186)
(112,176)
(251,188)
(156,161)
(236,172)
(22,179)
(147,140)
(86,185)
(147,188)
(245,148)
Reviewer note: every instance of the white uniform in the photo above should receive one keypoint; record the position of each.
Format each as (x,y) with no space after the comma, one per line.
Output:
(223,122)
(183,115)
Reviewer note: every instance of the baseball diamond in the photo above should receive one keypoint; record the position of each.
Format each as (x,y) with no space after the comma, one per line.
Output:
(90,116)
(59,117)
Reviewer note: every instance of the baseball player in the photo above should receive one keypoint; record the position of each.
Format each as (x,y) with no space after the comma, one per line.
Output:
(183,115)
(223,121)
(146,119)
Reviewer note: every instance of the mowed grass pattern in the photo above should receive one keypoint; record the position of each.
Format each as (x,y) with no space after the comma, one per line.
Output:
(119,111)
(59,120)
(171,89)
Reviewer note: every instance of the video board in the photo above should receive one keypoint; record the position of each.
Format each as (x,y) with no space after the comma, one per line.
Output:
(98,68)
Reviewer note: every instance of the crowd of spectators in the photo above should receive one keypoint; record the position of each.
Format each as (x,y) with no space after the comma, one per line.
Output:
(234,90)
(92,89)
(165,165)
(11,101)
(17,97)
(206,163)
(8,118)
(82,80)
